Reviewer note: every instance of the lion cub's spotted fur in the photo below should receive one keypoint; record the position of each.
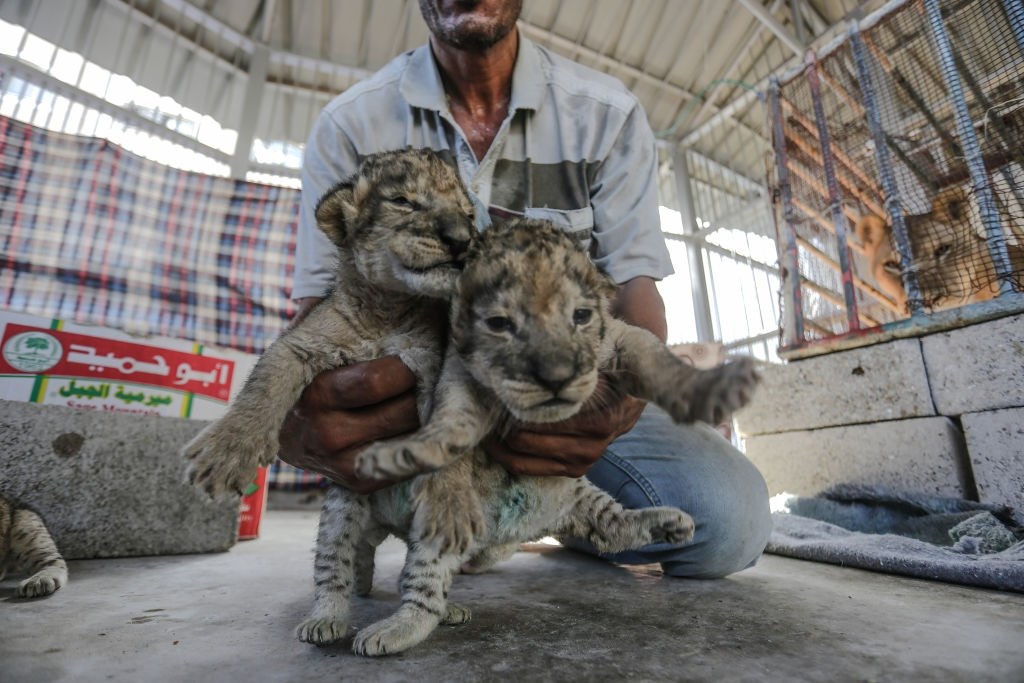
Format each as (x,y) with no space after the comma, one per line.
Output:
(26,545)
(530,328)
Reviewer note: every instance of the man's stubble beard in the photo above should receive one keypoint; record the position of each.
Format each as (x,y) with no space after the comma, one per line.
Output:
(470,36)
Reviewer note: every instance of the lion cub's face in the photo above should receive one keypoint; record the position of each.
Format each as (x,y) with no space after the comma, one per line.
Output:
(951,260)
(406,216)
(528,319)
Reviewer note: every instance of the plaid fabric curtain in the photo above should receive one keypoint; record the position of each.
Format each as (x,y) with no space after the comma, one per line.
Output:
(96,235)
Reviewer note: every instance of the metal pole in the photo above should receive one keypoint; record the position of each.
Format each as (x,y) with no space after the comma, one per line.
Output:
(259,62)
(972,150)
(698,280)
(793,313)
(834,199)
(889,187)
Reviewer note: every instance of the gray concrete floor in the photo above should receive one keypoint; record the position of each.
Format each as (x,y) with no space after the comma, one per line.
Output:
(549,614)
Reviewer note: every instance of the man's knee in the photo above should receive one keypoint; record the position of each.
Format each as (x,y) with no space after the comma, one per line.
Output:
(730,535)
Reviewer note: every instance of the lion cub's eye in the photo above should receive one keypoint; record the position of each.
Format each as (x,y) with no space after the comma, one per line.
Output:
(942,250)
(582,316)
(500,323)
(404,202)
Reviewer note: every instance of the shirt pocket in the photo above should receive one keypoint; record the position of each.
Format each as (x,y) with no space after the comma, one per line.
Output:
(577,223)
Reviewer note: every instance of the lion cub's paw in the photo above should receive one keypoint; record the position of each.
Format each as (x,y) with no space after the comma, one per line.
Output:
(43,583)
(219,461)
(715,394)
(391,460)
(669,525)
(322,631)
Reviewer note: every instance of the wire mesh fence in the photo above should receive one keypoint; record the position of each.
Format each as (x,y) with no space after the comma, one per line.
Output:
(900,169)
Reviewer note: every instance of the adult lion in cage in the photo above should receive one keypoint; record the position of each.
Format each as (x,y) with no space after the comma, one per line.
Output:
(950,254)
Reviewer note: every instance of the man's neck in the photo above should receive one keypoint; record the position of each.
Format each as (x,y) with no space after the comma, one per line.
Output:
(479,87)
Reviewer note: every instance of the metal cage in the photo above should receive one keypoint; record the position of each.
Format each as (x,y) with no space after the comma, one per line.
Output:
(899,175)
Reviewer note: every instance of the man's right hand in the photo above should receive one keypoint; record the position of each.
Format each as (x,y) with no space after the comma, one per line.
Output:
(343,410)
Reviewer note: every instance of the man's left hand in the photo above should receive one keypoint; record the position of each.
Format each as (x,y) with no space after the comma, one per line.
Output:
(571,447)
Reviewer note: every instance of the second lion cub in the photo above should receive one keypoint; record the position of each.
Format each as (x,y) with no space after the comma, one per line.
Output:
(530,329)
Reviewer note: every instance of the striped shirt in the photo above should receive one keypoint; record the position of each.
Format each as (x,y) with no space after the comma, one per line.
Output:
(575,149)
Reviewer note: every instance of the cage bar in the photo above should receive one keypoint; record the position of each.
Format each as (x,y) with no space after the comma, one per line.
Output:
(1014,10)
(834,198)
(971,149)
(888,179)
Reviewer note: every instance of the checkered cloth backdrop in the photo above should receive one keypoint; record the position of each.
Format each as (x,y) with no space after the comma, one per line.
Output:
(96,235)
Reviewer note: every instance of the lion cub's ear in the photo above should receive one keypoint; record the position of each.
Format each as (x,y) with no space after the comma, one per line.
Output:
(336,212)
(871,230)
(950,206)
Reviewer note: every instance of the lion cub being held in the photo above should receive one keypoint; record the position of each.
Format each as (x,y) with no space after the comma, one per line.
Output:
(530,328)
(402,225)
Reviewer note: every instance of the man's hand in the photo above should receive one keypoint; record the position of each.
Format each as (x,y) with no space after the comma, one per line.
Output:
(342,411)
(568,448)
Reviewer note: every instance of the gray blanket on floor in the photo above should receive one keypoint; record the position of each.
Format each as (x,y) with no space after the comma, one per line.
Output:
(870,527)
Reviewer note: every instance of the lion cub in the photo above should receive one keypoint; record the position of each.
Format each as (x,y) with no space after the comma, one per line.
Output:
(530,329)
(402,225)
(25,544)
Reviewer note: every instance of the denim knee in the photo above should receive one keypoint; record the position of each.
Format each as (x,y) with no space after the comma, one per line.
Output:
(693,468)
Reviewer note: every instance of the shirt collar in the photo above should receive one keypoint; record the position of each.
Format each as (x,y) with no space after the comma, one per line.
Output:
(421,84)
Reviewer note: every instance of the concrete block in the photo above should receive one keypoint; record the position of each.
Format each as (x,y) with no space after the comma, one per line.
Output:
(109,484)
(870,384)
(995,445)
(975,368)
(925,455)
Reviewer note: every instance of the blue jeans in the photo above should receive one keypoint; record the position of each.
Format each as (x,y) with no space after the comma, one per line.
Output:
(694,468)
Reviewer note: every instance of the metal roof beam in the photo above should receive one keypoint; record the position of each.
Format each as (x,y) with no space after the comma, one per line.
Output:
(762,15)
(537,33)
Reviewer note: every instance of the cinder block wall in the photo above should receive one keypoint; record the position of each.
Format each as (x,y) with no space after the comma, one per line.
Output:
(108,484)
(941,414)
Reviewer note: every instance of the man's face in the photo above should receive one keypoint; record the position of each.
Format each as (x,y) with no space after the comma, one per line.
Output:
(470,24)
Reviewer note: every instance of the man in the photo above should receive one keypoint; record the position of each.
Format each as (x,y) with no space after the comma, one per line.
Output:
(533,134)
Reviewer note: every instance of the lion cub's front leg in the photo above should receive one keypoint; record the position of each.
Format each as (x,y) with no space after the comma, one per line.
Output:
(649,370)
(458,423)
(224,456)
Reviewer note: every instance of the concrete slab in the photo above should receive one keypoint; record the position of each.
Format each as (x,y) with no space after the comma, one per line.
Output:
(995,443)
(109,484)
(980,367)
(546,615)
(924,454)
(870,384)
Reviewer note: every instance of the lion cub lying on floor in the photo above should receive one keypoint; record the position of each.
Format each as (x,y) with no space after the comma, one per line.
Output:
(530,328)
(26,545)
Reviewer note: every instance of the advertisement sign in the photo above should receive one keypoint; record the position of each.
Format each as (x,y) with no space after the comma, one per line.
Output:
(91,368)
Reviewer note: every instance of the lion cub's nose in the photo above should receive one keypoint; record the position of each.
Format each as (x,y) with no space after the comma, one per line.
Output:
(554,373)
(456,234)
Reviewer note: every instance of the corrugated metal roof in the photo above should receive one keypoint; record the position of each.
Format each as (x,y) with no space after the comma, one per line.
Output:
(684,59)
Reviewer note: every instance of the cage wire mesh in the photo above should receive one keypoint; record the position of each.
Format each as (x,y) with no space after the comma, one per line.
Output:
(885,86)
